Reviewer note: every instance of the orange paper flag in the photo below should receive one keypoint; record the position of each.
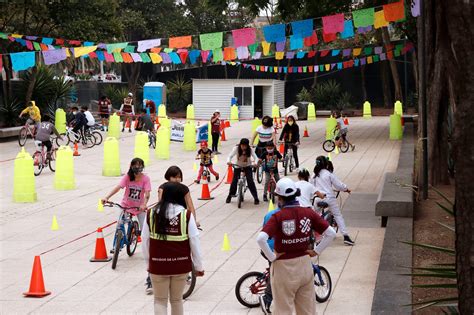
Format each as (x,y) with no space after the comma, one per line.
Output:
(229,53)
(394,11)
(180,42)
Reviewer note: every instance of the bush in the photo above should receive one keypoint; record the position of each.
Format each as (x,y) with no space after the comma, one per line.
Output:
(304,95)
(9,112)
(178,94)
(116,95)
(327,94)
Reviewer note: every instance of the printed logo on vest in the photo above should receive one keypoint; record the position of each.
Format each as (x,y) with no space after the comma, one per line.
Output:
(288,227)
(174,221)
(305,225)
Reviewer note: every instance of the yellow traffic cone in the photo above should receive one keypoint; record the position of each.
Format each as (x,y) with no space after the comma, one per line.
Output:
(111,165)
(226,244)
(142,150)
(64,175)
(329,157)
(54,224)
(100,206)
(189,141)
(24,188)
(162,150)
(114,126)
(271,206)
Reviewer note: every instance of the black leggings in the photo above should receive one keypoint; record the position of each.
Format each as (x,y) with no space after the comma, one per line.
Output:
(250,183)
(215,141)
(295,154)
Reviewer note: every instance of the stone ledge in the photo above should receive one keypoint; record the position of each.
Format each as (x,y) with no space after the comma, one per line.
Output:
(10,132)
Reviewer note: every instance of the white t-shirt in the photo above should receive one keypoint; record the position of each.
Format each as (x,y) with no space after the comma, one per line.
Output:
(264,134)
(326,182)
(341,123)
(307,193)
(90,118)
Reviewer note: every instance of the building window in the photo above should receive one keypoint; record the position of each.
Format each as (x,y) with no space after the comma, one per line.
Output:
(243,95)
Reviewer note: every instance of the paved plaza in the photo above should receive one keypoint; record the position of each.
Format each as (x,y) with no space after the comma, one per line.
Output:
(81,287)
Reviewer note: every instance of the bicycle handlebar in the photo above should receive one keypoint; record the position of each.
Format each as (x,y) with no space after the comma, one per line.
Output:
(112,204)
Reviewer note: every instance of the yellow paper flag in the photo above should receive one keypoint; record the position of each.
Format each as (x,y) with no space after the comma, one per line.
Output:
(279,55)
(356,51)
(379,20)
(266,48)
(155,58)
(81,51)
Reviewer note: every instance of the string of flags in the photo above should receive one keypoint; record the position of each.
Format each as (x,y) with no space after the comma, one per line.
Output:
(242,44)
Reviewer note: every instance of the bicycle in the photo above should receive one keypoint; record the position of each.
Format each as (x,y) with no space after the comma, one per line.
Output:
(42,160)
(190,284)
(205,172)
(151,139)
(289,159)
(259,169)
(26,131)
(270,189)
(241,184)
(86,137)
(330,144)
(124,236)
(325,213)
(253,283)
(95,130)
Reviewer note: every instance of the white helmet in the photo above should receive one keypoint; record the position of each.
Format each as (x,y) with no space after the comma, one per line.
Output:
(130,94)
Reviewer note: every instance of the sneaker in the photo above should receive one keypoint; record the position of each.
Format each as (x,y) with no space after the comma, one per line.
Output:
(123,129)
(264,305)
(353,147)
(228,199)
(348,241)
(112,251)
(256,202)
(217,177)
(265,199)
(129,130)
(149,288)
(139,239)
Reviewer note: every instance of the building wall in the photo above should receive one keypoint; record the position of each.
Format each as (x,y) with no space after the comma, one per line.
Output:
(279,93)
(268,99)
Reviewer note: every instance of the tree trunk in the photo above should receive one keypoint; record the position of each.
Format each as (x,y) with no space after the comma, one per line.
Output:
(31,85)
(393,67)
(387,91)
(461,71)
(414,60)
(362,80)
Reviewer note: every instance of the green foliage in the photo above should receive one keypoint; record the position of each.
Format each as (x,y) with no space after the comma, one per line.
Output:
(304,95)
(83,76)
(115,94)
(328,95)
(178,94)
(9,112)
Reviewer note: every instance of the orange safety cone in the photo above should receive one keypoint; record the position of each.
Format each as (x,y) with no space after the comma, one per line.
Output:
(37,283)
(127,123)
(157,120)
(230,174)
(76,150)
(136,124)
(279,123)
(306,134)
(223,138)
(282,148)
(227,123)
(205,193)
(100,250)
(346,121)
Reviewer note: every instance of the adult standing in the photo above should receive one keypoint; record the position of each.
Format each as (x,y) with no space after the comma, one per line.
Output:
(105,108)
(171,247)
(292,278)
(215,130)
(128,111)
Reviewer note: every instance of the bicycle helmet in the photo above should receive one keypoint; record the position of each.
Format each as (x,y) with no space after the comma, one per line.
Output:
(203,144)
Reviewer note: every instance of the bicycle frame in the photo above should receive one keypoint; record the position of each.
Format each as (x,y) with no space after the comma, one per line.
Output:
(125,218)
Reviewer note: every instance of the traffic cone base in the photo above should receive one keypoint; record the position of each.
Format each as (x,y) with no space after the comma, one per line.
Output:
(282,148)
(100,254)
(37,283)
(76,150)
(54,224)
(306,134)
(223,138)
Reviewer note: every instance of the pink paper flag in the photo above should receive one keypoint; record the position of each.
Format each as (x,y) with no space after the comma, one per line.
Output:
(29,45)
(204,55)
(333,23)
(243,37)
(108,57)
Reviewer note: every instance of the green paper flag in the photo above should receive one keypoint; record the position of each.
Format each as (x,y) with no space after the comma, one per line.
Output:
(363,18)
(305,68)
(321,67)
(376,58)
(3,35)
(397,53)
(253,48)
(36,46)
(211,41)
(145,57)
(168,50)
(129,49)
(112,47)
(367,51)
(118,57)
(217,55)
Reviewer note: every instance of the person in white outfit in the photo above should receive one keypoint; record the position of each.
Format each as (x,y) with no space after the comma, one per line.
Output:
(308,190)
(326,182)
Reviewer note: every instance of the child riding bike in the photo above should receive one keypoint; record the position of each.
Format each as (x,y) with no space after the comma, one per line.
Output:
(43,134)
(205,155)
(290,134)
(34,114)
(308,191)
(269,158)
(325,181)
(245,155)
(342,129)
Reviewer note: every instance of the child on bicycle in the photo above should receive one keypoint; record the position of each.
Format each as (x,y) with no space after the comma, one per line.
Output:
(43,134)
(269,158)
(144,122)
(205,155)
(34,114)
(245,155)
(290,134)
(137,190)
(342,131)
(308,191)
(326,182)
(265,134)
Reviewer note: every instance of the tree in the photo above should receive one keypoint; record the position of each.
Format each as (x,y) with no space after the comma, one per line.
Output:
(450,83)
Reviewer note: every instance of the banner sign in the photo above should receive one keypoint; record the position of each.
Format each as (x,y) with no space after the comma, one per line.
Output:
(177,131)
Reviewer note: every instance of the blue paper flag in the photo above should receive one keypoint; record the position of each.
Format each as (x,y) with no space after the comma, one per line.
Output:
(339,65)
(274,33)
(21,41)
(100,55)
(175,58)
(356,62)
(194,55)
(47,41)
(348,30)
(23,60)
(88,43)
(302,28)
(300,54)
(335,52)
(296,42)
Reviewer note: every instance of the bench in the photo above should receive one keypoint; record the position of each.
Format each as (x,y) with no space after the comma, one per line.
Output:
(323,113)
(10,132)
(396,198)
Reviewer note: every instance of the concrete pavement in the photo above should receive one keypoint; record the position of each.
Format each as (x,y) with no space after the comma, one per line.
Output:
(81,287)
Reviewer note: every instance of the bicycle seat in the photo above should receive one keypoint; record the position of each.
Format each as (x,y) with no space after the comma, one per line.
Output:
(322,204)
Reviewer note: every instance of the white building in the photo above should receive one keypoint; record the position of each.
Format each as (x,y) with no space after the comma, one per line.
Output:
(255,96)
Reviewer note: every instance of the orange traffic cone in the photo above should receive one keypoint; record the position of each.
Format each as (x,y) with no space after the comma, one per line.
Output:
(136,124)
(127,123)
(306,134)
(346,121)
(223,138)
(282,148)
(205,193)
(279,123)
(37,283)
(76,149)
(230,174)
(227,123)
(157,120)
(100,250)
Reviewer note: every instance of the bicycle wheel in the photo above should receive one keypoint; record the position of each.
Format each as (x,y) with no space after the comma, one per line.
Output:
(22,136)
(190,284)
(329,145)
(132,238)
(260,174)
(344,147)
(240,195)
(292,163)
(272,191)
(64,141)
(89,141)
(98,137)
(322,284)
(38,162)
(249,287)
(118,242)
(52,160)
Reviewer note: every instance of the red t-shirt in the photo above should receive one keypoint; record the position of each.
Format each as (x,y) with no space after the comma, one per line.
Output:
(291,229)
(216,126)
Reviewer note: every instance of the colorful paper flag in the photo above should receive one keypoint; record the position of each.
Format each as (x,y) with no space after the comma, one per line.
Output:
(229,53)
(242,52)
(303,28)
(274,33)
(394,12)
(279,55)
(155,58)
(296,42)
(364,17)
(217,55)
(54,56)
(116,47)
(211,41)
(311,40)
(333,23)
(81,51)
(380,19)
(243,37)
(266,47)
(348,30)
(144,45)
(23,61)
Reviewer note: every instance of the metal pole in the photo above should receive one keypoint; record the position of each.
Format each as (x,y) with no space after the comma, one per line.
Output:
(405,102)
(424,118)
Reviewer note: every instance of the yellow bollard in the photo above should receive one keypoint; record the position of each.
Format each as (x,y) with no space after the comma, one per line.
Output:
(255,123)
(142,150)
(24,187)
(114,126)
(331,124)
(209,135)
(60,121)
(111,164)
(189,142)
(271,206)
(64,175)
(311,112)
(162,150)
(234,113)
(396,131)
(275,111)
(190,111)
(161,111)
(367,112)
(398,108)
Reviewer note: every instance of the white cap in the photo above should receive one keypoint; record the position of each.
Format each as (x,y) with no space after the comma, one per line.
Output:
(285,187)
(217,111)
(130,94)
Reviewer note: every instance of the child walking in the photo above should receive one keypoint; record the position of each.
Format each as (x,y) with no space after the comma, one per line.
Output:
(205,155)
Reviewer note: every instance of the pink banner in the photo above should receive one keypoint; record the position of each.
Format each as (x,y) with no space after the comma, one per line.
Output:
(243,37)
(333,23)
